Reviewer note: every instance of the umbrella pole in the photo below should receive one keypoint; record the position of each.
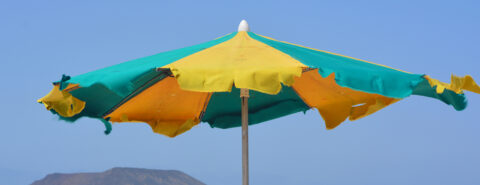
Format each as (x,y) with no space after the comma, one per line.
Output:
(244,96)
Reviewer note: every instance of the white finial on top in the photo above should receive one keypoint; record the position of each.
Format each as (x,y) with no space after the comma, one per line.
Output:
(243,26)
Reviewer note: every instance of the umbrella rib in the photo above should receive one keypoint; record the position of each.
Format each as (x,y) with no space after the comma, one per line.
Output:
(307,69)
(140,89)
(207,101)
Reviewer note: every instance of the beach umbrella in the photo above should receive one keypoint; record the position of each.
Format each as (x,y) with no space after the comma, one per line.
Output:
(213,82)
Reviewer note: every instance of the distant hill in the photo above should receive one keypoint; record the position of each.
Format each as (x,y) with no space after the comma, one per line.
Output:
(121,176)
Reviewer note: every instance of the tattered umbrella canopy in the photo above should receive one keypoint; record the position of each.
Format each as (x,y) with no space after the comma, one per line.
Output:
(175,90)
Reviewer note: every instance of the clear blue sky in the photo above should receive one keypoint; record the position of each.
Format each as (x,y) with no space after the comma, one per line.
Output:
(416,141)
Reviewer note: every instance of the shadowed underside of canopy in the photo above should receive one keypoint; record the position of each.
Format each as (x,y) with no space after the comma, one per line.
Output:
(175,90)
